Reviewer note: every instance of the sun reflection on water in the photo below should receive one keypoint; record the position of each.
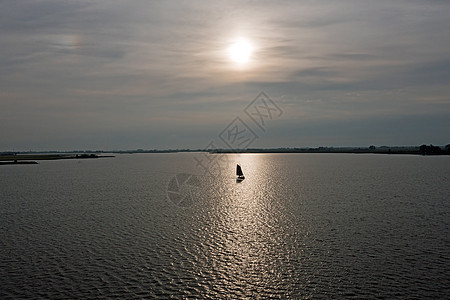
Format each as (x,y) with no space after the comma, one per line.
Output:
(248,231)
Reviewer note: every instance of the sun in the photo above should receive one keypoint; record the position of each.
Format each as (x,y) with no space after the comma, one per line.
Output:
(240,51)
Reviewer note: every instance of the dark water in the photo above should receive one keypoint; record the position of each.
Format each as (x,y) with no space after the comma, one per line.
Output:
(298,226)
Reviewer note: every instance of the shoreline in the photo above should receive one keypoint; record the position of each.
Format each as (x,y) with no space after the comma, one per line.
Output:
(17,159)
(25,162)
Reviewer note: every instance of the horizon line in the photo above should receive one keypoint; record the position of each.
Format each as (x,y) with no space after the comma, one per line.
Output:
(137,150)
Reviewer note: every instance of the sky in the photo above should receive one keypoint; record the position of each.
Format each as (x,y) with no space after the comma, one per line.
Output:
(117,75)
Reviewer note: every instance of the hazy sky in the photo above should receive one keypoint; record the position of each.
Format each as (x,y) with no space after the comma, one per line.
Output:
(158,74)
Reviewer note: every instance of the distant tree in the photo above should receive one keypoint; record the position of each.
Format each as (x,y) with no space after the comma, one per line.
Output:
(423,149)
(430,150)
(372,147)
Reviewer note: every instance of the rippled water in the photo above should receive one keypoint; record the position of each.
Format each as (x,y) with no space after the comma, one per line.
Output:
(299,226)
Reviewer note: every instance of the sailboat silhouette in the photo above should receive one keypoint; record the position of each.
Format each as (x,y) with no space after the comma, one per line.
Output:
(239,173)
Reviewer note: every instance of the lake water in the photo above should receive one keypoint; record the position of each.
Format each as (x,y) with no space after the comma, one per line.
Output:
(298,226)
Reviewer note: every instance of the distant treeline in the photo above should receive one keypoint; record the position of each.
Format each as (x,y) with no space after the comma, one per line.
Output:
(419,150)
(434,150)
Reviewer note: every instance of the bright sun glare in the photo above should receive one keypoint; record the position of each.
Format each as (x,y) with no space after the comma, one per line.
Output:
(240,51)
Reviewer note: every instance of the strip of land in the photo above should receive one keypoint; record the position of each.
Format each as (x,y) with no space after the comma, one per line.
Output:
(422,150)
(30,157)
(416,150)
(21,159)
(24,162)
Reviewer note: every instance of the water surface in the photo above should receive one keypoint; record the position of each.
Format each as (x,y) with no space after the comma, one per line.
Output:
(298,226)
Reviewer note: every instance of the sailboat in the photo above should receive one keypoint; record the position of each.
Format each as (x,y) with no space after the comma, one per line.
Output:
(240,175)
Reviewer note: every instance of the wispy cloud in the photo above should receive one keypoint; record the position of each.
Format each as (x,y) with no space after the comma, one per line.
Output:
(146,70)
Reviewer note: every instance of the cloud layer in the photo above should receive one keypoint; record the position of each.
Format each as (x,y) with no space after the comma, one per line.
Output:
(147,74)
